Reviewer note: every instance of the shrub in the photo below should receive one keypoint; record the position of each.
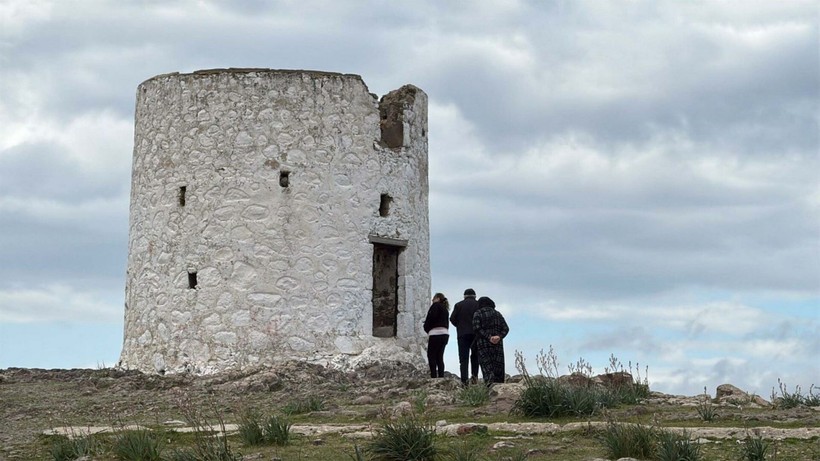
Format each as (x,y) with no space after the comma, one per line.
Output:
(547,396)
(794,399)
(474,396)
(540,399)
(675,447)
(787,399)
(138,445)
(405,439)
(70,448)
(754,449)
(629,440)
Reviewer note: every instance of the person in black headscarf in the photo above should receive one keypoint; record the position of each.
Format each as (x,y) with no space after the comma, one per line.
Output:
(490,328)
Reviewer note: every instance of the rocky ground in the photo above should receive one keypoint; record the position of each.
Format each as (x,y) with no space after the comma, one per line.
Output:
(35,402)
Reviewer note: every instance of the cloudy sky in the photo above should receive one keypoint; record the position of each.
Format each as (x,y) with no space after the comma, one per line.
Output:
(637,178)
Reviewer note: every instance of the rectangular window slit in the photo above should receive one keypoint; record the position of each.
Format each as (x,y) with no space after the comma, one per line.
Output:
(284,178)
(182,190)
(384,205)
(192,280)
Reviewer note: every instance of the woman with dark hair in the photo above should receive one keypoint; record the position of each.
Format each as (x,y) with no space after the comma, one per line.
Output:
(435,325)
(490,329)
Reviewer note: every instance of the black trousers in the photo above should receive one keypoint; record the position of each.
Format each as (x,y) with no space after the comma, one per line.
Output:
(467,355)
(435,354)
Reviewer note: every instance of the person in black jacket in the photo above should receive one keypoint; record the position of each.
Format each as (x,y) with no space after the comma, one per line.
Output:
(490,330)
(436,327)
(462,319)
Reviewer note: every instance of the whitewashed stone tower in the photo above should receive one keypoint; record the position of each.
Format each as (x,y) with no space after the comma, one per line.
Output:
(276,215)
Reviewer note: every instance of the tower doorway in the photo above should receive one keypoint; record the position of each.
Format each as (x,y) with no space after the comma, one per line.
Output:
(385,289)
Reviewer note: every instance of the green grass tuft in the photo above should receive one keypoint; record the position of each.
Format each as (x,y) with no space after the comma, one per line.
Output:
(138,445)
(406,439)
(474,396)
(629,441)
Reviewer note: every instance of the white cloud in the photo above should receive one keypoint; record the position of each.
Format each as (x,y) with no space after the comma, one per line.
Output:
(99,143)
(56,303)
(16,15)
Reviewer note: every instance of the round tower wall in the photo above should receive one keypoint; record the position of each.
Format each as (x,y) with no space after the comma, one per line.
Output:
(261,201)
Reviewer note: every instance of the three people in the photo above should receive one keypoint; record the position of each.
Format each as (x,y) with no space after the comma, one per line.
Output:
(436,327)
(462,319)
(490,329)
(481,331)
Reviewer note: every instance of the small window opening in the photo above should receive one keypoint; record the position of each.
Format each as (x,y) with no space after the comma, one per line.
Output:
(384,205)
(182,191)
(284,178)
(192,280)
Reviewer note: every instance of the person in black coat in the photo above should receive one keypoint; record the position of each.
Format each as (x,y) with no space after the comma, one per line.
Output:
(490,330)
(436,327)
(462,319)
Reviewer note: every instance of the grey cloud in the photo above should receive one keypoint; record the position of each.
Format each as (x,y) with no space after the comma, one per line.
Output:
(33,252)
(740,97)
(44,171)
(630,338)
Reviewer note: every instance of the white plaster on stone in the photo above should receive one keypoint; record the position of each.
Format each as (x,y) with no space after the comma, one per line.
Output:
(282,272)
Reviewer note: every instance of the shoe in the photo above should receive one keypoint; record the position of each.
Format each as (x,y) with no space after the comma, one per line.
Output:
(474,380)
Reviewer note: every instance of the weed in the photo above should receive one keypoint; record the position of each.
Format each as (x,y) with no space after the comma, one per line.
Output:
(254,430)
(207,446)
(358,454)
(406,439)
(787,399)
(677,447)
(250,429)
(465,453)
(754,449)
(794,399)
(277,430)
(419,401)
(550,397)
(298,407)
(812,400)
(70,448)
(474,396)
(581,367)
(706,410)
(629,440)
(138,445)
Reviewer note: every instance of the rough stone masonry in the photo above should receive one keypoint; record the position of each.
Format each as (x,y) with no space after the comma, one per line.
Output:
(275,215)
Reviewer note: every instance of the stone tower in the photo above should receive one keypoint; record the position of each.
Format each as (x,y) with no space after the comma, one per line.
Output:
(276,215)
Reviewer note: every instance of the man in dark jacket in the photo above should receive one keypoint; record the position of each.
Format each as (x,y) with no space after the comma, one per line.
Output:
(462,319)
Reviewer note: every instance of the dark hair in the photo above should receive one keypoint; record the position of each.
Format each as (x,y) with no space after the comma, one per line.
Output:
(442,300)
(485,302)
(469,292)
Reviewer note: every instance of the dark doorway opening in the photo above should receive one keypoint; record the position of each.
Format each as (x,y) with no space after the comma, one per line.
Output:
(385,289)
